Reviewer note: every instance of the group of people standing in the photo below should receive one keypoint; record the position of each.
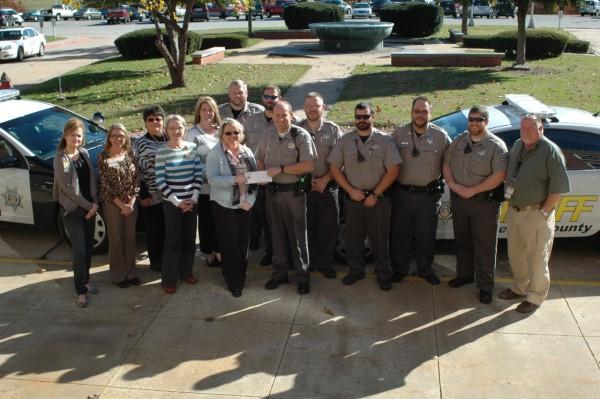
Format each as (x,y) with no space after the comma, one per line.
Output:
(181,179)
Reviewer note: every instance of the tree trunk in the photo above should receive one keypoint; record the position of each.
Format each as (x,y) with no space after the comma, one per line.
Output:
(464,17)
(250,33)
(521,32)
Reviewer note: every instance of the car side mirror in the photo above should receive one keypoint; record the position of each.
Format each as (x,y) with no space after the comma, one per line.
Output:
(98,118)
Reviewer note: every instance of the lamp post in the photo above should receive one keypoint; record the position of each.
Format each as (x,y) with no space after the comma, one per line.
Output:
(471,20)
(531,24)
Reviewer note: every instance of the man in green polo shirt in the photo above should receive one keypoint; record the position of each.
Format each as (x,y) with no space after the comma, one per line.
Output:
(536,178)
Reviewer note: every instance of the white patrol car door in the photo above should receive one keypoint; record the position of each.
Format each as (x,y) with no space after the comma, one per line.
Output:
(15,192)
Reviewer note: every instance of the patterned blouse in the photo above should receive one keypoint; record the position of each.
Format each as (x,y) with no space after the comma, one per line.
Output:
(118,178)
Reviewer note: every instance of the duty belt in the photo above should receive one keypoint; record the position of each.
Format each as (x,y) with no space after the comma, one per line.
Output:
(526,208)
(280,188)
(411,188)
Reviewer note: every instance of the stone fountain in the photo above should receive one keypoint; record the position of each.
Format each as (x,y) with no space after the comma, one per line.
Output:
(345,37)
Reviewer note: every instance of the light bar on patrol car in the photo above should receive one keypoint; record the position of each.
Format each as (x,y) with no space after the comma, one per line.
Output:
(530,105)
(9,94)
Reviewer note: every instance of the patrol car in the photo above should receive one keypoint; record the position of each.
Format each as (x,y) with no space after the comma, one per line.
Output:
(29,134)
(575,131)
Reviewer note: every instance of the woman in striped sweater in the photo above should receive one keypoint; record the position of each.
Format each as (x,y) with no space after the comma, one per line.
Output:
(179,177)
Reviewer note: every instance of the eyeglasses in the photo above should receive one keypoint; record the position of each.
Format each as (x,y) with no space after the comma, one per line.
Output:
(471,119)
(362,117)
(230,133)
(154,119)
(268,97)
(117,136)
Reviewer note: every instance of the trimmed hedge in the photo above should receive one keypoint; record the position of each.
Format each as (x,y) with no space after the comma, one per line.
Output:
(413,19)
(300,15)
(577,46)
(477,41)
(140,44)
(228,41)
(540,43)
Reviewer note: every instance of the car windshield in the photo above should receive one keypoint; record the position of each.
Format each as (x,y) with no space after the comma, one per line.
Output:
(41,131)
(10,35)
(454,123)
(360,5)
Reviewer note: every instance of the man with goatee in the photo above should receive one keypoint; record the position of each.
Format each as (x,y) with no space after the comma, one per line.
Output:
(238,107)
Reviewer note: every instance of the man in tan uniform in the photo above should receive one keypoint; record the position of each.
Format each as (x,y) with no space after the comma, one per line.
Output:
(287,153)
(238,106)
(417,193)
(536,178)
(255,128)
(365,162)
(474,168)
(322,212)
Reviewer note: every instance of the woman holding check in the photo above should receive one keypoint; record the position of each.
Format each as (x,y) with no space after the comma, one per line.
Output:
(231,200)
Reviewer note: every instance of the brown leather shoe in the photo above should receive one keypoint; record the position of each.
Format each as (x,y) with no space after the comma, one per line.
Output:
(509,294)
(527,307)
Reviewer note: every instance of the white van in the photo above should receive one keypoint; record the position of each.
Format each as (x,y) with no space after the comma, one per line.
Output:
(590,7)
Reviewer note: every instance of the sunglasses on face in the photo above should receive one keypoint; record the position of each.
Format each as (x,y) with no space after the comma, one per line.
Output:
(362,117)
(235,132)
(154,119)
(268,97)
(472,119)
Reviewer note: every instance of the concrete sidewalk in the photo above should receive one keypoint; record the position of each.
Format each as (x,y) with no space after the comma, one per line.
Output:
(416,341)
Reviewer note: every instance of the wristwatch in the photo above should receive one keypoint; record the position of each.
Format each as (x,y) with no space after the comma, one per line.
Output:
(544,213)
(378,196)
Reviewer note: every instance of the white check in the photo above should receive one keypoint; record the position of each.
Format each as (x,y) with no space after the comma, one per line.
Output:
(260,176)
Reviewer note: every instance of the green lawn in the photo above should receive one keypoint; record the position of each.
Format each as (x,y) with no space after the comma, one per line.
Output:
(121,89)
(570,80)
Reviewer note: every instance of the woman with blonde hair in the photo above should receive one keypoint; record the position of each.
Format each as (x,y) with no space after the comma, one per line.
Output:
(179,177)
(204,135)
(76,190)
(231,200)
(119,186)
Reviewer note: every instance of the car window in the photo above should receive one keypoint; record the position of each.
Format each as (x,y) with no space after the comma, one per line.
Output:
(454,123)
(41,131)
(10,35)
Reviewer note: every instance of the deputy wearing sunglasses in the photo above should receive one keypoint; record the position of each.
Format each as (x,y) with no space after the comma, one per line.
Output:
(238,107)
(255,127)
(150,197)
(365,162)
(287,153)
(474,168)
(417,193)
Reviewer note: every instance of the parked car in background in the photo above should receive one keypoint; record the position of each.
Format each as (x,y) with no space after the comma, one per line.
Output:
(277,7)
(257,10)
(199,13)
(576,132)
(482,8)
(18,43)
(346,9)
(11,14)
(32,15)
(87,13)
(29,134)
(504,8)
(361,10)
(118,15)
(449,7)
(58,12)
(590,7)
(377,5)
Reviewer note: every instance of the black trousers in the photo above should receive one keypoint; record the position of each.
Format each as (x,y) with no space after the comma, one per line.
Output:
(322,223)
(180,244)
(374,222)
(81,235)
(233,230)
(287,218)
(414,220)
(154,223)
(206,226)
(259,221)
(475,222)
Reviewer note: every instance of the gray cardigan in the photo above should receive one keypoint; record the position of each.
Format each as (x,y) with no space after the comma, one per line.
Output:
(66,183)
(220,178)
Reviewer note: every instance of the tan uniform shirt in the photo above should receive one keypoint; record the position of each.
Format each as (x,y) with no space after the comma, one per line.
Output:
(225,111)
(486,157)
(325,137)
(431,145)
(254,129)
(275,151)
(379,153)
